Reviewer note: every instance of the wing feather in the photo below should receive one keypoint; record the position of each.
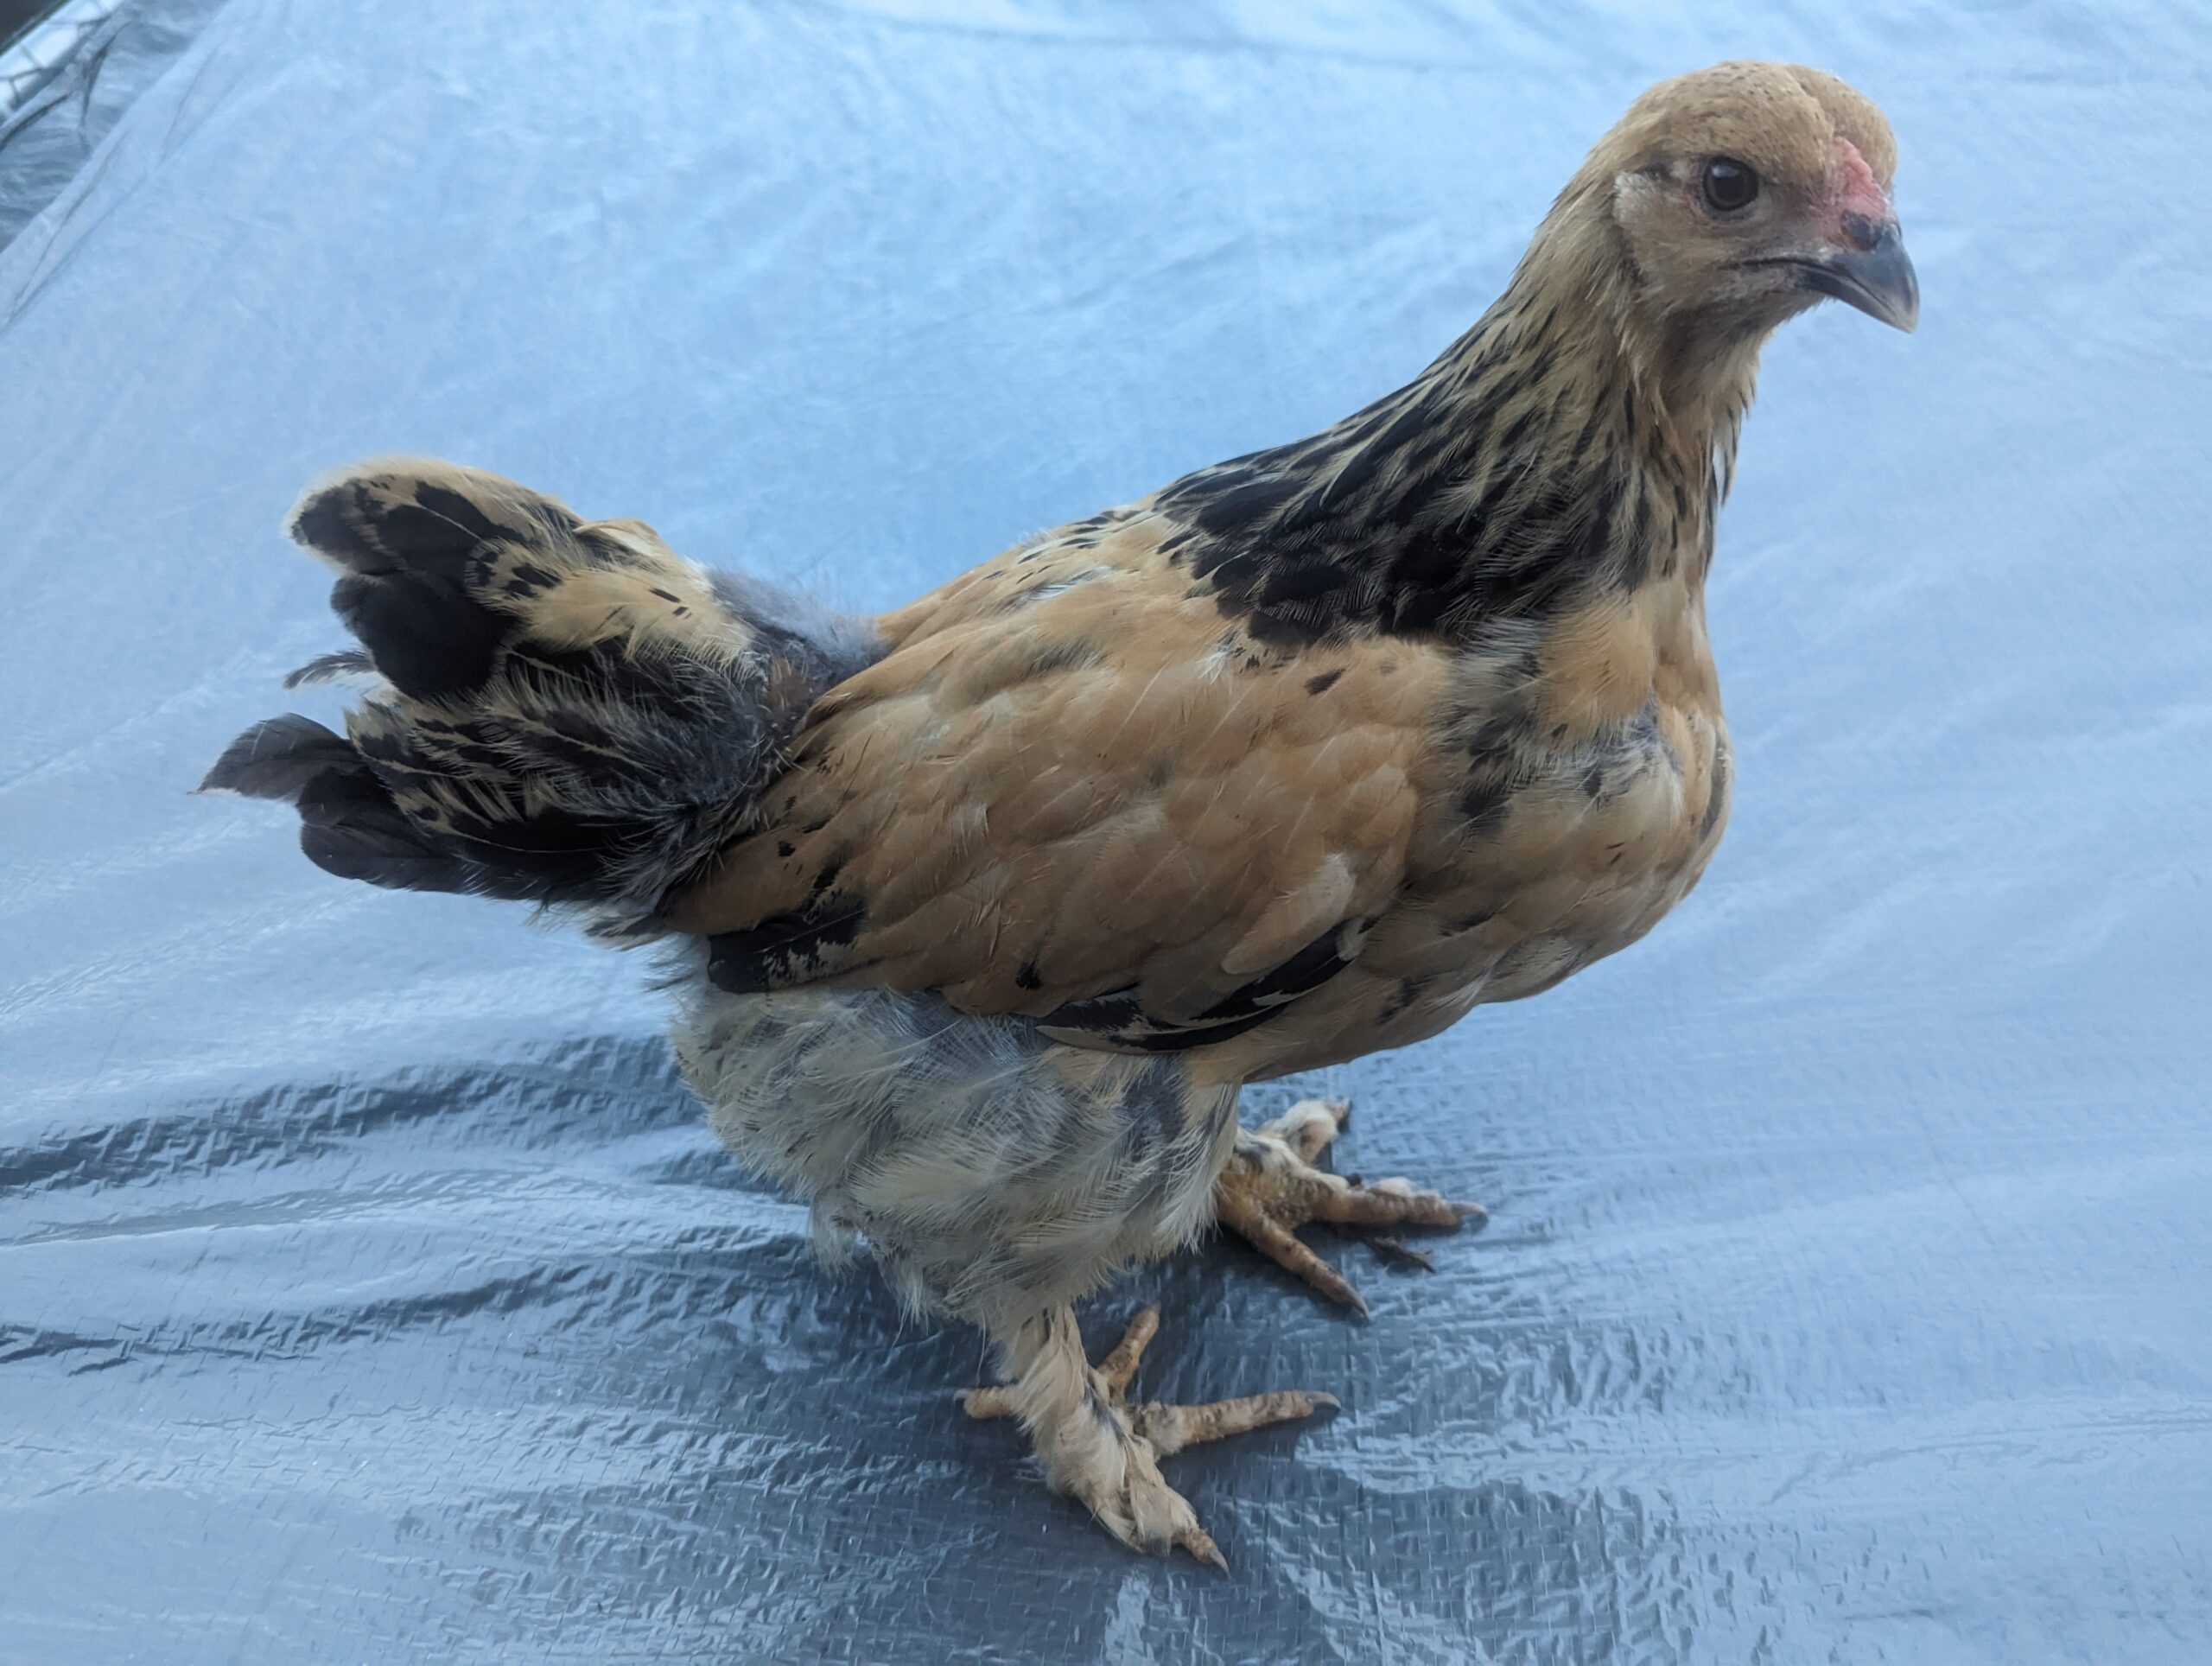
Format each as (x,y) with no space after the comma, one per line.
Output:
(1072,791)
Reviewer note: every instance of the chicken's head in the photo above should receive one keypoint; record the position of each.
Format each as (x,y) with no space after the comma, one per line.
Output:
(1744,193)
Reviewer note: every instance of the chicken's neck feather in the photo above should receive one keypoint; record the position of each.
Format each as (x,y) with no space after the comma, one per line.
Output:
(1568,442)
(1692,374)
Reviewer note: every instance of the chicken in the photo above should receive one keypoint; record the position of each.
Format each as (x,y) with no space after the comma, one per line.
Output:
(980,912)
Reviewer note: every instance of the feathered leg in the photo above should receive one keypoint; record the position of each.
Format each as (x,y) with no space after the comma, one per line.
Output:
(1097,1445)
(1271,1186)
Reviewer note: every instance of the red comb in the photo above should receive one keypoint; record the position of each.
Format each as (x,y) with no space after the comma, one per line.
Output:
(1861,193)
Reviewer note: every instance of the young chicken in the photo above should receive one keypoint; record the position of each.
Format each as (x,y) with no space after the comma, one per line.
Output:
(982,911)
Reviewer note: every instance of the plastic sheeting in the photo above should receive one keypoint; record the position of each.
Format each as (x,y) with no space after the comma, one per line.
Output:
(368,1289)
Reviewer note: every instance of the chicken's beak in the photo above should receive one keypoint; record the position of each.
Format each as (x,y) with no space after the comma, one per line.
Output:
(1869,271)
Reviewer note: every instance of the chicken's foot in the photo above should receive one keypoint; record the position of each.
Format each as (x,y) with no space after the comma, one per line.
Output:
(1271,1187)
(1105,1450)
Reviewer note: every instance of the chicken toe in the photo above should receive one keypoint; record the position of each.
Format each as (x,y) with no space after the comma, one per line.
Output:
(1271,1187)
(1098,1448)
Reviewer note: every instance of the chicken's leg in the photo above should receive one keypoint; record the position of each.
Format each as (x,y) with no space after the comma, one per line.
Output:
(1105,1450)
(1271,1187)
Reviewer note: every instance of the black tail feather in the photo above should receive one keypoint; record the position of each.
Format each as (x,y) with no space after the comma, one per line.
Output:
(330,668)
(279,757)
(567,712)
(349,825)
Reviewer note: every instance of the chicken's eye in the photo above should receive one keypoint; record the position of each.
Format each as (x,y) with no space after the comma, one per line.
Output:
(1729,184)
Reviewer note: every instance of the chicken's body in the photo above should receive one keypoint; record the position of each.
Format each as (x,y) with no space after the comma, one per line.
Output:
(1007,892)
(1122,768)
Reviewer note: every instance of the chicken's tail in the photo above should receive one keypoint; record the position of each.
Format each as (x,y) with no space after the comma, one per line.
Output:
(559,710)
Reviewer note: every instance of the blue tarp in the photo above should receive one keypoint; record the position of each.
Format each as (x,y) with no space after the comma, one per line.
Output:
(370,1290)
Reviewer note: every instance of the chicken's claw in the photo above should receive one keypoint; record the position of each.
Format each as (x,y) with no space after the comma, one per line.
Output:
(1126,1492)
(1271,1187)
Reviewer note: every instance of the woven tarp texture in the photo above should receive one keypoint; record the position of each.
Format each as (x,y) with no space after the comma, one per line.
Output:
(369,1289)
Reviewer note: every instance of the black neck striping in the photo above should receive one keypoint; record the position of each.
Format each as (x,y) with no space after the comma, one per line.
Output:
(1501,482)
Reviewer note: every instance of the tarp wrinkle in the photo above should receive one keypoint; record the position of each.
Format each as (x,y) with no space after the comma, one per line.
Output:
(370,1287)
